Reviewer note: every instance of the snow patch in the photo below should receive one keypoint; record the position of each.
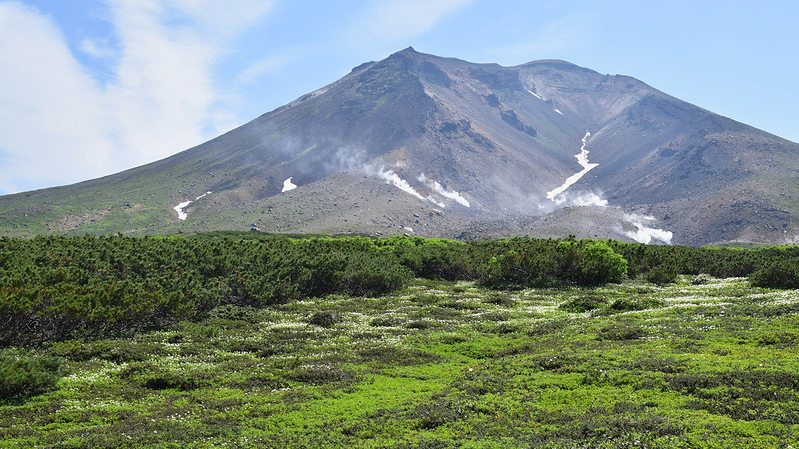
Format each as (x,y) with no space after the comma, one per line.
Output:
(182,215)
(582,159)
(181,208)
(535,94)
(288,185)
(643,233)
(558,111)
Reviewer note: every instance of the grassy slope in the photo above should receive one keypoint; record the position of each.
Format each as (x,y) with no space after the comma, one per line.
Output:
(441,365)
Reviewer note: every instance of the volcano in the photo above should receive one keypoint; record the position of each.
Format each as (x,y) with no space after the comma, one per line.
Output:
(439,147)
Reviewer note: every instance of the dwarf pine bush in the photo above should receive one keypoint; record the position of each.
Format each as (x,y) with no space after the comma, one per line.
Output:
(550,263)
(778,274)
(23,377)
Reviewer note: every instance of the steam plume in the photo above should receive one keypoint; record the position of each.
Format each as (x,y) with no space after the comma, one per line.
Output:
(643,233)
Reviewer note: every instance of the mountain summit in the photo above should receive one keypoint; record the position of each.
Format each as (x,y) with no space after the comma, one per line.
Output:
(423,145)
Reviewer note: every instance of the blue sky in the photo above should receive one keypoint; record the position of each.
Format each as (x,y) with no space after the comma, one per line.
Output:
(93,87)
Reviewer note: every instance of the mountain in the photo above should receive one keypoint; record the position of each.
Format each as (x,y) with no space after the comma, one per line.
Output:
(423,145)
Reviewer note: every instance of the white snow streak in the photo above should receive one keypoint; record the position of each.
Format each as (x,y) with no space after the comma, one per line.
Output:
(435,201)
(642,233)
(582,159)
(181,208)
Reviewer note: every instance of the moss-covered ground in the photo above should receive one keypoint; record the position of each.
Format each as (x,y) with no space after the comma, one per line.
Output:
(702,363)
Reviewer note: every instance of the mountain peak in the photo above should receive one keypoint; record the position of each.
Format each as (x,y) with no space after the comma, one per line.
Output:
(424,145)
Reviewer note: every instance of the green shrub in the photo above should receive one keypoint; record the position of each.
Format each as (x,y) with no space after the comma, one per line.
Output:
(517,269)
(61,288)
(584,303)
(662,275)
(383,322)
(153,377)
(590,263)
(778,274)
(119,351)
(372,276)
(629,304)
(701,279)
(440,410)
(421,324)
(22,377)
(500,299)
(528,263)
(431,258)
(327,318)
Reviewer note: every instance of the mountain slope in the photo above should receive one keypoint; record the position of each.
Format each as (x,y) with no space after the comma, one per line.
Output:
(435,146)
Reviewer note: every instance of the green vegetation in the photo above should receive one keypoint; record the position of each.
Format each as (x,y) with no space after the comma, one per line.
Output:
(549,263)
(782,273)
(220,341)
(21,376)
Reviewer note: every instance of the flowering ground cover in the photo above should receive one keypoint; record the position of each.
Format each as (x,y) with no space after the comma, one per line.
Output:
(701,362)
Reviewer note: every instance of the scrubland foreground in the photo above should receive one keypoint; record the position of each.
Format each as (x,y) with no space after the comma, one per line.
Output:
(692,361)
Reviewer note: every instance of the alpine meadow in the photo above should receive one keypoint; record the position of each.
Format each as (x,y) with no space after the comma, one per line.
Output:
(256,340)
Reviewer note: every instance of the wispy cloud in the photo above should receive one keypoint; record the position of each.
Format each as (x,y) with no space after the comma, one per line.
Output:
(50,105)
(97,48)
(160,99)
(550,39)
(259,68)
(401,19)
(165,75)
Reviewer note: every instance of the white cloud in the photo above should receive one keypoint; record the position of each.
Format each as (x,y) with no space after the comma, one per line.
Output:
(400,19)
(59,125)
(49,106)
(165,76)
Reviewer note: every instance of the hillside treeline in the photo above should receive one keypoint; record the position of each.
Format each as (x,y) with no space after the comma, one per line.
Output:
(54,288)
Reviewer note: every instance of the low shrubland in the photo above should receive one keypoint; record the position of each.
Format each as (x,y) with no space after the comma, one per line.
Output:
(222,341)
(55,288)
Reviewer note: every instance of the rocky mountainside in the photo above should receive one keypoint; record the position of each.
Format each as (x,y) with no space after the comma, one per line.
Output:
(423,145)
